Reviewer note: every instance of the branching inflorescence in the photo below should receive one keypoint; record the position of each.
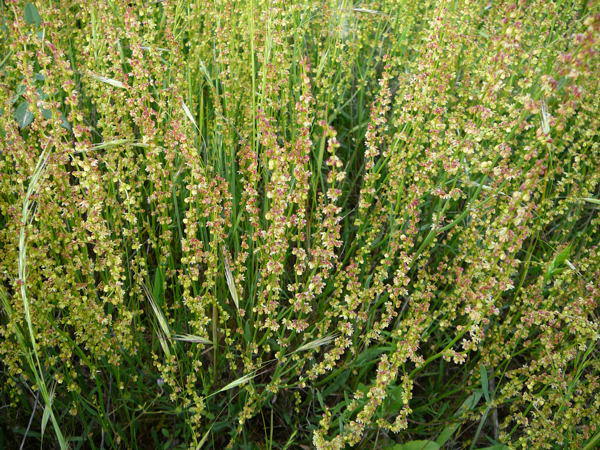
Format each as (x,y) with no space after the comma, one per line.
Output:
(290,223)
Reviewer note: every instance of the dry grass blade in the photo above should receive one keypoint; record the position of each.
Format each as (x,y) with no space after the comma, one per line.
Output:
(189,115)
(367,11)
(160,49)
(113,143)
(316,343)
(545,118)
(231,282)
(111,81)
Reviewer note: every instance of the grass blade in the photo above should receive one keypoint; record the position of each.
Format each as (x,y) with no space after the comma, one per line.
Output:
(231,282)
(189,115)
(111,81)
(191,338)
(316,343)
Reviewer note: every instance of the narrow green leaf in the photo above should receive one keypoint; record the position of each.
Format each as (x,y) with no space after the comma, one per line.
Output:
(242,380)
(204,438)
(157,284)
(595,201)
(316,343)
(163,332)
(484,382)
(231,282)
(191,338)
(45,417)
(47,410)
(593,442)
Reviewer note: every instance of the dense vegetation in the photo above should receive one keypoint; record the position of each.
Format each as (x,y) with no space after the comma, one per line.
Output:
(271,224)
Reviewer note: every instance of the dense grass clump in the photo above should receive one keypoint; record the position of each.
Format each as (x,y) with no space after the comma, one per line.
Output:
(281,224)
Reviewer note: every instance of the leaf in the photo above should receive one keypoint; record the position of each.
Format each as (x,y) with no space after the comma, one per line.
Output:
(415,445)
(484,382)
(164,334)
(115,142)
(157,285)
(32,16)
(204,70)
(395,400)
(162,320)
(22,115)
(340,380)
(47,410)
(595,201)
(368,11)
(557,262)
(469,403)
(64,122)
(192,338)
(242,380)
(545,118)
(316,343)
(45,417)
(231,282)
(321,64)
(112,82)
(20,90)
(370,355)
(204,438)
(592,443)
(188,113)
(110,143)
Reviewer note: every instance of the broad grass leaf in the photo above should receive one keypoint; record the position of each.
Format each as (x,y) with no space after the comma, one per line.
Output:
(468,404)
(22,115)
(32,16)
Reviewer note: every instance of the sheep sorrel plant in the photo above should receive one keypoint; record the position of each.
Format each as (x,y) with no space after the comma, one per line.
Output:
(293,224)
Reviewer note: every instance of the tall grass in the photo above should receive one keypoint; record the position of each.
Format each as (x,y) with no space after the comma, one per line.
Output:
(297,224)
